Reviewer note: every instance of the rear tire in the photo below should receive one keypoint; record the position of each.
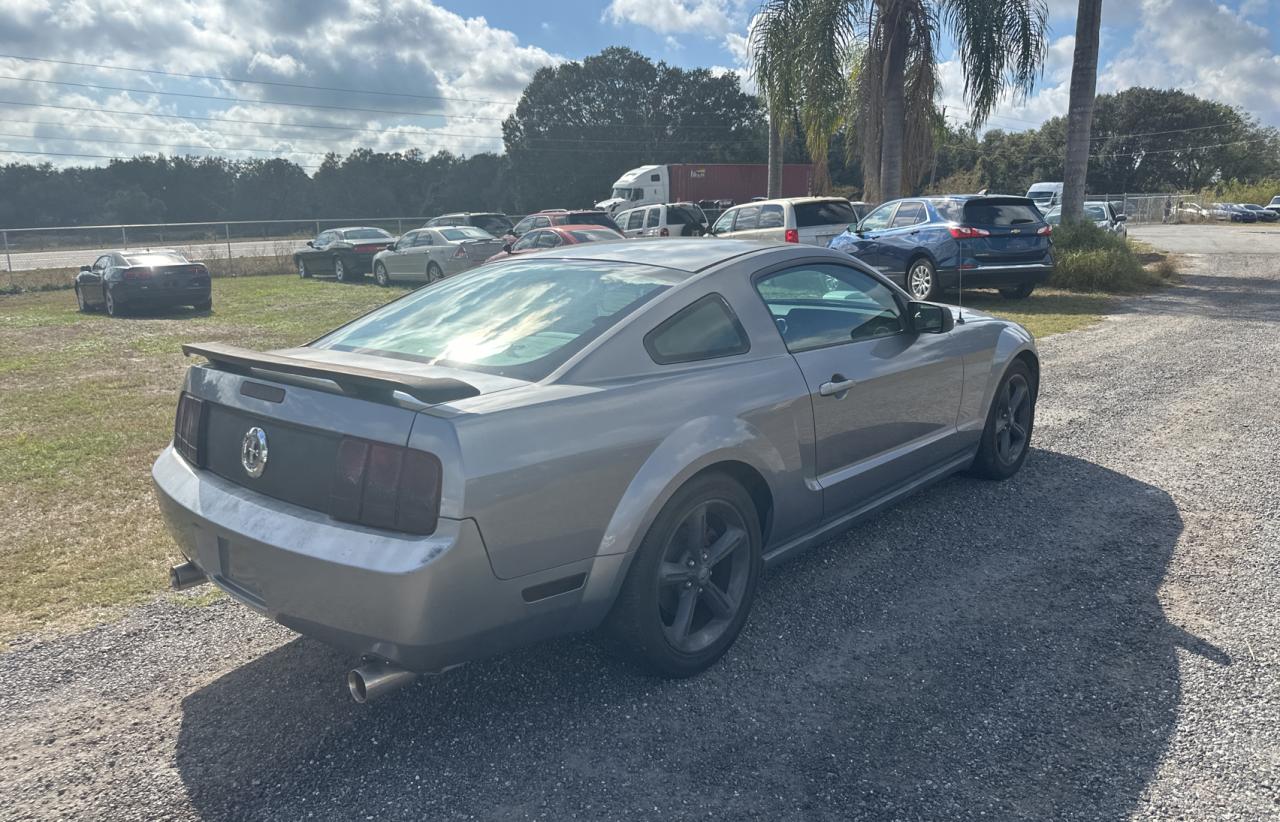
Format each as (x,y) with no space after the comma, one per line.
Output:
(207,305)
(922,280)
(434,273)
(109,302)
(339,270)
(1019,292)
(1006,439)
(698,567)
(380,275)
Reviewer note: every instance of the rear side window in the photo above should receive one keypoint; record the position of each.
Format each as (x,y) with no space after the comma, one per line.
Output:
(704,330)
(654,217)
(824,213)
(771,216)
(1001,213)
(908,215)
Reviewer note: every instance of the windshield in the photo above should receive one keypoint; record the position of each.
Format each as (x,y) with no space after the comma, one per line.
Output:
(1041,196)
(628,193)
(466,233)
(156,259)
(521,319)
(366,234)
(593,235)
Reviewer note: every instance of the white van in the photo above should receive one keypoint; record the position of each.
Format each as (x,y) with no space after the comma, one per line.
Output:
(1045,195)
(668,220)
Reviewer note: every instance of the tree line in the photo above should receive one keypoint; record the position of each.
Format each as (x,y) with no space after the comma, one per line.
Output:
(577,126)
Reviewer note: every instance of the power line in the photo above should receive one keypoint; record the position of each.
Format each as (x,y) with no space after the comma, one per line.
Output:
(250,100)
(275,83)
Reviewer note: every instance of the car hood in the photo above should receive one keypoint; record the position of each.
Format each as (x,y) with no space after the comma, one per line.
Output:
(607,205)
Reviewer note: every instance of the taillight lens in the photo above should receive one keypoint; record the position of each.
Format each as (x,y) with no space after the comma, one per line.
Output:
(663,232)
(137,273)
(1045,231)
(370,249)
(188,429)
(792,235)
(386,486)
(461,252)
(964,232)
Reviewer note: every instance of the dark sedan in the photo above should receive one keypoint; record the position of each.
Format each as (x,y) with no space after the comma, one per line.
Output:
(119,281)
(344,253)
(936,243)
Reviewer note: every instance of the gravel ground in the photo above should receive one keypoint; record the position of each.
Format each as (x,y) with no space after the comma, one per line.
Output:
(1097,639)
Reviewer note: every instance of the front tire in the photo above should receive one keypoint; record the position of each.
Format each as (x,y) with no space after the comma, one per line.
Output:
(380,275)
(1006,439)
(922,280)
(1018,292)
(81,303)
(692,582)
(303,272)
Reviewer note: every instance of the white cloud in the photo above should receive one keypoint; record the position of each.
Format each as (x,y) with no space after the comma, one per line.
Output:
(708,17)
(359,44)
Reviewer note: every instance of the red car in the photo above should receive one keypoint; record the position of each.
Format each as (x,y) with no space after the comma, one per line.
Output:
(541,239)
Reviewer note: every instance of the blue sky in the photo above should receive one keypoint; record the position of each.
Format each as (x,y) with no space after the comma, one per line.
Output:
(479,54)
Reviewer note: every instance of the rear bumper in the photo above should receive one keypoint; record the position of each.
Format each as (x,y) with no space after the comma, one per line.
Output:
(996,276)
(141,295)
(424,603)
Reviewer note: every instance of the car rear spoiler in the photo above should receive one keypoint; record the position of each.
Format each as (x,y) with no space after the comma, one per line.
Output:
(351,379)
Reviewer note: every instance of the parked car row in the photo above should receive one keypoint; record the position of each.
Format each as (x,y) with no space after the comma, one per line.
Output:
(1230,212)
(1103,213)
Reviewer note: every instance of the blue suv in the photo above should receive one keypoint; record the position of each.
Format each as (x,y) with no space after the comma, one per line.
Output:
(933,243)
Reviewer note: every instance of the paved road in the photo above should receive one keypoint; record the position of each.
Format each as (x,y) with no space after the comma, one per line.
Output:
(1097,639)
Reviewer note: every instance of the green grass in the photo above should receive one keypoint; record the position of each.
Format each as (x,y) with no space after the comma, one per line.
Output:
(87,402)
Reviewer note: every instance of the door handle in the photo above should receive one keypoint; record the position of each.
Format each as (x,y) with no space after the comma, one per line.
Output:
(837,387)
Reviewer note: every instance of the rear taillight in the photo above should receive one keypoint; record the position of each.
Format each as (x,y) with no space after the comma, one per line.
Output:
(1045,231)
(386,486)
(188,429)
(964,232)
(663,232)
(792,235)
(461,252)
(370,249)
(137,273)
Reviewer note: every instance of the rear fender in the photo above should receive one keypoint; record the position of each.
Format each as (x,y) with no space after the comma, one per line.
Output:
(693,447)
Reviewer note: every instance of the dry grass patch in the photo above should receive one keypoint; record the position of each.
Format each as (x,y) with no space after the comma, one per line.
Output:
(86,404)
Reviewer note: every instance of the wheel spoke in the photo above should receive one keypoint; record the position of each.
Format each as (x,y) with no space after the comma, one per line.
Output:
(717,601)
(728,542)
(1003,444)
(674,573)
(683,620)
(696,530)
(1019,430)
(1017,396)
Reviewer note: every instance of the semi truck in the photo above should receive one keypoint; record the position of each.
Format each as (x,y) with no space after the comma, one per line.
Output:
(694,182)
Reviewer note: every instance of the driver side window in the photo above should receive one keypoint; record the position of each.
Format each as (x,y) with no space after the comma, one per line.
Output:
(723,223)
(815,306)
(527,241)
(878,219)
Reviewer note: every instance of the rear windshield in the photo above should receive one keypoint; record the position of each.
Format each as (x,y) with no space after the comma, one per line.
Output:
(1013,211)
(587,235)
(366,234)
(591,218)
(495,224)
(684,215)
(824,213)
(465,233)
(1094,212)
(156,259)
(520,319)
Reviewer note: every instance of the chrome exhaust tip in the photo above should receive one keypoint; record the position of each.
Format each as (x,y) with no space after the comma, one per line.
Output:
(375,679)
(187,575)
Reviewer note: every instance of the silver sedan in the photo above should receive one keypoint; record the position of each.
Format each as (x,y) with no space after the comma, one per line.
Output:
(429,254)
(608,434)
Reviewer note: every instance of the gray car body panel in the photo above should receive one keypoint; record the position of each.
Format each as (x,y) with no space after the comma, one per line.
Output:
(561,479)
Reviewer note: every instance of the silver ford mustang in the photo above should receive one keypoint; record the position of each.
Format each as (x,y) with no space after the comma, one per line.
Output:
(617,435)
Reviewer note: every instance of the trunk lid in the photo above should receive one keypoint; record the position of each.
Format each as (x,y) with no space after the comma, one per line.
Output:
(480,250)
(1012,225)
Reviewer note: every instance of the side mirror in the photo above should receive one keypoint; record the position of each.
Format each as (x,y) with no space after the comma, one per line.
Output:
(311,243)
(507,246)
(927,318)
(86,268)
(1121,218)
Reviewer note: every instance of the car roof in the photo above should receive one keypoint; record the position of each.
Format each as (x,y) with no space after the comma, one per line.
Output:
(690,255)
(793,201)
(129,251)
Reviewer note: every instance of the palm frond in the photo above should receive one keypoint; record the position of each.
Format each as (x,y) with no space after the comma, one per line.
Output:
(1001,45)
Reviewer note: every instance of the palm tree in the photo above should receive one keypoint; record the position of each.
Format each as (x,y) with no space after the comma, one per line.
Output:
(1084,84)
(812,53)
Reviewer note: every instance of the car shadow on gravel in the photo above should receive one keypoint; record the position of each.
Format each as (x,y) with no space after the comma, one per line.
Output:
(982,648)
